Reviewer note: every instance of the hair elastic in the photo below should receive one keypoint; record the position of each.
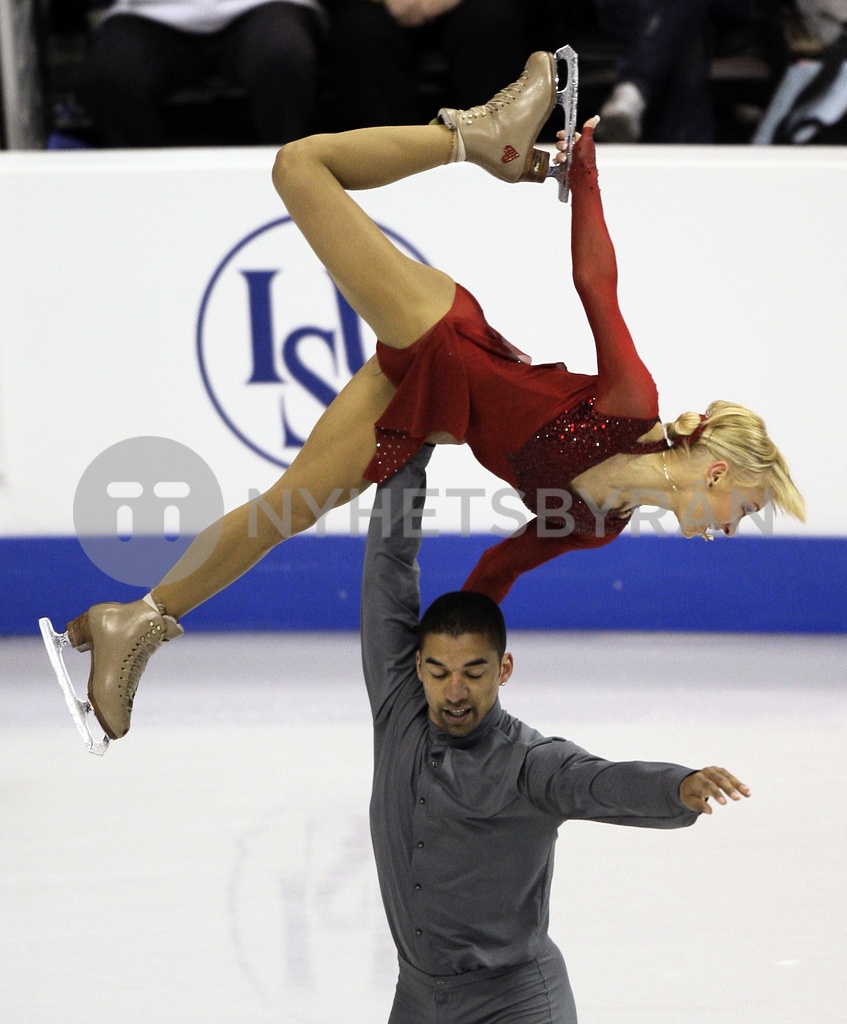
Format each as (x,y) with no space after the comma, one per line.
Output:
(694,435)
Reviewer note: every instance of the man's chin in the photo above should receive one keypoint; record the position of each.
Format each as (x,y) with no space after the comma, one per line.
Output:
(458,726)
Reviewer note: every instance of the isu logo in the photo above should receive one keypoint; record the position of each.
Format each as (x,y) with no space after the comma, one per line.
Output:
(276,340)
(509,154)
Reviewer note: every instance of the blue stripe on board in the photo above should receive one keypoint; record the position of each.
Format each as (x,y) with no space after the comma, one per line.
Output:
(777,584)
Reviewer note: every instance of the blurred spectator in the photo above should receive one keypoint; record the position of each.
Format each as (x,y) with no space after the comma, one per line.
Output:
(145,51)
(377,45)
(823,20)
(809,107)
(663,92)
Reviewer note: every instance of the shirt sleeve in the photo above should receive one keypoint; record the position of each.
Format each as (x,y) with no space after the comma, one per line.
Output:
(390,609)
(624,386)
(571,783)
(501,564)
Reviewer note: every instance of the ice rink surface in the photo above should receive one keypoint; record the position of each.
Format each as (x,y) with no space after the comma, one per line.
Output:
(215,865)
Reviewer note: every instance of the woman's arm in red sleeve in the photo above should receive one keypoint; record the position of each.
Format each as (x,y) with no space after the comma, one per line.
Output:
(625,387)
(502,563)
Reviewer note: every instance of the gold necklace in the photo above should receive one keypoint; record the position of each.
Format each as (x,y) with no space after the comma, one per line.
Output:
(705,534)
(667,475)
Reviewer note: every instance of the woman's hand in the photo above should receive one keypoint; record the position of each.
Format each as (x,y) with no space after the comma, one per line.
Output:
(588,144)
(583,168)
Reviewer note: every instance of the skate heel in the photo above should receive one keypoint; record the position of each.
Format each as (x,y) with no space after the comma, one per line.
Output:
(536,166)
(79,633)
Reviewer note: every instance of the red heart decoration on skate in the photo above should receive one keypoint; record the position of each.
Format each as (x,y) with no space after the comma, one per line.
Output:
(509,154)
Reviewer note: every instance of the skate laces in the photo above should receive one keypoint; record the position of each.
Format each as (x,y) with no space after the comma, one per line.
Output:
(139,654)
(502,99)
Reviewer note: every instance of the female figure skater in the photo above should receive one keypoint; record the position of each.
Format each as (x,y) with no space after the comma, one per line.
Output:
(441,370)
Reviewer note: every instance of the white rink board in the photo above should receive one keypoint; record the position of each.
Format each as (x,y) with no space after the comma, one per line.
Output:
(732,268)
(215,865)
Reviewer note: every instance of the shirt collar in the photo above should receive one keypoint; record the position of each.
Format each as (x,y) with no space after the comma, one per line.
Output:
(491,721)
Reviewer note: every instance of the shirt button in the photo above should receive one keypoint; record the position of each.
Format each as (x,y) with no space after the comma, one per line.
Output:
(419,845)
(434,764)
(422,800)
(417,886)
(440,982)
(418,931)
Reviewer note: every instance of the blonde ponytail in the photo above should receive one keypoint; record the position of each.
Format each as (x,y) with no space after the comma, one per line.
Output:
(686,429)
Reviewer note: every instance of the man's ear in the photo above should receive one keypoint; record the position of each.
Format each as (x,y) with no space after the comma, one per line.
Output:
(418,664)
(506,667)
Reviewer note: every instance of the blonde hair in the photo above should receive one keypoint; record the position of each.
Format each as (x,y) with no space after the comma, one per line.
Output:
(737,436)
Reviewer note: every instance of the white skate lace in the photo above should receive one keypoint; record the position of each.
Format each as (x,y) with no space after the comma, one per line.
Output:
(502,99)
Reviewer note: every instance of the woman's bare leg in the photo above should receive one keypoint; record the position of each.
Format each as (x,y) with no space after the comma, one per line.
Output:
(397,296)
(327,471)
(329,467)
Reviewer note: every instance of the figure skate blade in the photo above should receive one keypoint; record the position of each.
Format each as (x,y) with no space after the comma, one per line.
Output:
(566,98)
(79,709)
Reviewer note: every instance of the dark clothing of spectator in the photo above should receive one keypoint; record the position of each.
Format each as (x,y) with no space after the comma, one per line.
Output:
(376,59)
(136,64)
(668,47)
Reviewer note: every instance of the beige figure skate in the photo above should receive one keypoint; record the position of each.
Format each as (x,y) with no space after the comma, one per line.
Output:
(500,135)
(121,638)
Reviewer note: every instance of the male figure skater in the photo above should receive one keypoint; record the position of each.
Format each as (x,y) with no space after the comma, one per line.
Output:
(467,800)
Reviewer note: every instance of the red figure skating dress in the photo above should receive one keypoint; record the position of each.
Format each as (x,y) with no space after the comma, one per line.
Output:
(536,427)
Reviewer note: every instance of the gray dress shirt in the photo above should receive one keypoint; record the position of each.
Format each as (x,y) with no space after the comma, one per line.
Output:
(464,830)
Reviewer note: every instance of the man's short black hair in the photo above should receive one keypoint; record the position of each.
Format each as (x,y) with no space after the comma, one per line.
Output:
(461,612)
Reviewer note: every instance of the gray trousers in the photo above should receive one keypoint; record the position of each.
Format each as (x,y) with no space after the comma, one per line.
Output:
(537,992)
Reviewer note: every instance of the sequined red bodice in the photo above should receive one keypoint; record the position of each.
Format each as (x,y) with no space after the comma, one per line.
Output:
(565,448)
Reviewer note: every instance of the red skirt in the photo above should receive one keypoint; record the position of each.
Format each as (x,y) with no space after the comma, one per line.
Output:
(465,379)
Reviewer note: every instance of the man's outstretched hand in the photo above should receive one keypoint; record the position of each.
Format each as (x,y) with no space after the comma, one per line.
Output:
(695,789)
